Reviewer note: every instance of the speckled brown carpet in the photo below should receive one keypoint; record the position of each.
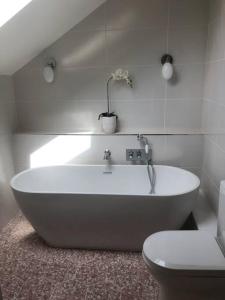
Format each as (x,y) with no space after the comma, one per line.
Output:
(30,270)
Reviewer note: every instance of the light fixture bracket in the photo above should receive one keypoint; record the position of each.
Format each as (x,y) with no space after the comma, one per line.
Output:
(167,58)
(52,63)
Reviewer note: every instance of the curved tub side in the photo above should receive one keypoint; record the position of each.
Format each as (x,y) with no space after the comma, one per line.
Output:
(103,221)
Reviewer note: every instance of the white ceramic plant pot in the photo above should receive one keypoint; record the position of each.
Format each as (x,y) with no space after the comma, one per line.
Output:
(109,124)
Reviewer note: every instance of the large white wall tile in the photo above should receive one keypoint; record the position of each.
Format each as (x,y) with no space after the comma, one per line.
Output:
(8,117)
(187,82)
(216,38)
(6,89)
(188,44)
(95,21)
(214,88)
(184,151)
(188,13)
(210,120)
(151,112)
(183,114)
(132,14)
(135,47)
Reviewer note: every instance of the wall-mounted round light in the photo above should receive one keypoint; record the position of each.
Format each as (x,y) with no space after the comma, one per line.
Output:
(49,71)
(167,69)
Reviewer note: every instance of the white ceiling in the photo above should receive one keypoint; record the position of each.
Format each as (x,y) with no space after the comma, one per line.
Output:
(36,27)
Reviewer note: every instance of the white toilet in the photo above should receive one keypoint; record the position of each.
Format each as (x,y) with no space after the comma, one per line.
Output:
(189,265)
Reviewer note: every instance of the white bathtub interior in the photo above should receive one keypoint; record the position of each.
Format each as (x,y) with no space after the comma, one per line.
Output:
(108,179)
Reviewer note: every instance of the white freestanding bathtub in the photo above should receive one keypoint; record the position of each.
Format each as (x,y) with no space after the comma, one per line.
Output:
(103,207)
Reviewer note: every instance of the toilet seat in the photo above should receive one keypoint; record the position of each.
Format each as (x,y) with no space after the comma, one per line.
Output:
(185,251)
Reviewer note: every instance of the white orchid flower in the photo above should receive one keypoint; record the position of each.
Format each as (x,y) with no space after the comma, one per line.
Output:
(120,75)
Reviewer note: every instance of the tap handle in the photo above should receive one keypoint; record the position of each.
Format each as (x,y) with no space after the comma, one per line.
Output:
(131,154)
(139,137)
(139,155)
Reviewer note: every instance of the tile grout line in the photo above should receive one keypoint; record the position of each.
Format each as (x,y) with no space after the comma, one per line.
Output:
(167,49)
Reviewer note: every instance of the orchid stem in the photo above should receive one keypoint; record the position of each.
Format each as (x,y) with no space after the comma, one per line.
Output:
(108,102)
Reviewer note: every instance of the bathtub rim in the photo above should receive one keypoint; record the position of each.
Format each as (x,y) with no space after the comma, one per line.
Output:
(185,192)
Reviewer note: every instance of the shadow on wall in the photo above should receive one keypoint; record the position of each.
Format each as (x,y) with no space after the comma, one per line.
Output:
(89,49)
(60,150)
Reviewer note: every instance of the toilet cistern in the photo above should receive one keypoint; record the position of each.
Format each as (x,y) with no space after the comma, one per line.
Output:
(107,154)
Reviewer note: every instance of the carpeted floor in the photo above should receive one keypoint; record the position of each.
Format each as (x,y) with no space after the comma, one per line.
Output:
(30,270)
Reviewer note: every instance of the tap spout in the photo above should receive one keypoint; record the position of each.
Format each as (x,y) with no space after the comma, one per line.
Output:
(107,154)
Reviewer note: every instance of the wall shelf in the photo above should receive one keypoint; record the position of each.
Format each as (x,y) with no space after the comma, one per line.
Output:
(121,133)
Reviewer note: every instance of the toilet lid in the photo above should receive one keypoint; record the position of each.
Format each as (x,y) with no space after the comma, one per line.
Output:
(184,250)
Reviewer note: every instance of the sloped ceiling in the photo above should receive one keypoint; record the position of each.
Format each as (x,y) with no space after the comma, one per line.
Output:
(36,27)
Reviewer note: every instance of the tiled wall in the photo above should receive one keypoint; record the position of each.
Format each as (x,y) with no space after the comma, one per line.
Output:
(7,125)
(133,34)
(33,150)
(214,104)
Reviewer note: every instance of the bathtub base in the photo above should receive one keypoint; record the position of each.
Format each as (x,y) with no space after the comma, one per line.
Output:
(94,222)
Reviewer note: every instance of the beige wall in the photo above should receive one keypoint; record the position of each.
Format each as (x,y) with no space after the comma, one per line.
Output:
(214,104)
(132,34)
(32,150)
(7,126)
